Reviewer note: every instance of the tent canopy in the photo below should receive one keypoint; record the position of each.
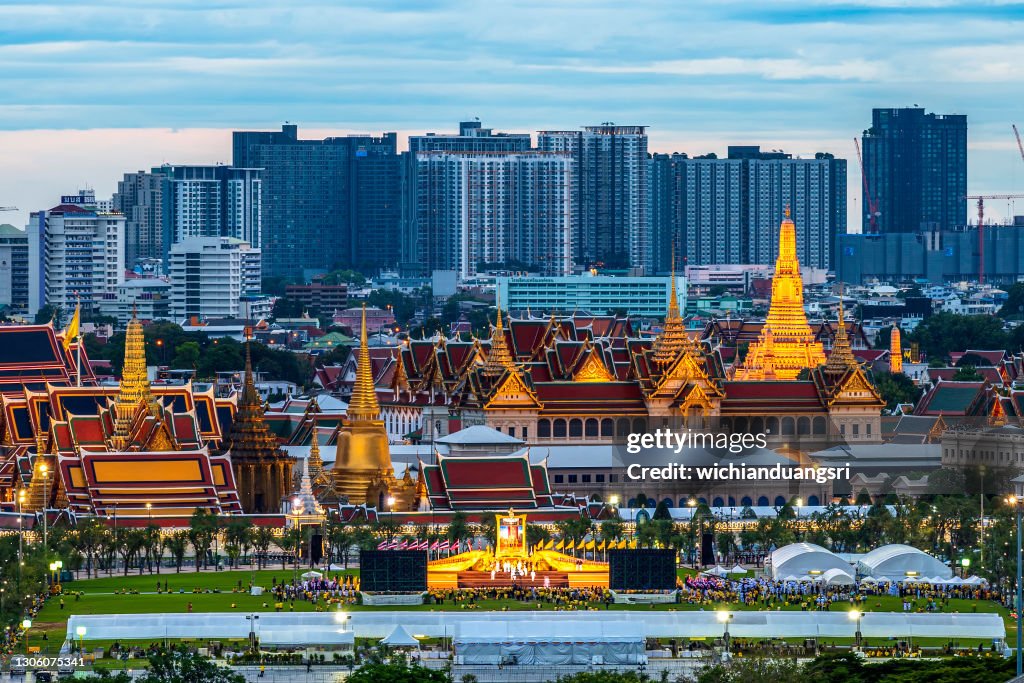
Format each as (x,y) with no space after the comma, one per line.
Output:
(801,559)
(399,637)
(312,575)
(894,561)
(836,577)
(548,642)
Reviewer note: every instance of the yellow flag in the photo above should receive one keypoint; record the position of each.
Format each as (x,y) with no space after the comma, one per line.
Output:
(571,546)
(590,545)
(632,546)
(561,545)
(72,329)
(550,545)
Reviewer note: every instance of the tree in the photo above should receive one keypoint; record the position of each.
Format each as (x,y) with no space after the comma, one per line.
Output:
(611,529)
(1013,307)
(237,537)
(895,388)
(202,529)
(152,546)
(754,670)
(661,511)
(262,538)
(46,314)
(458,527)
(397,673)
(967,373)
(177,544)
(179,665)
(287,308)
(101,675)
(186,355)
(603,677)
(944,332)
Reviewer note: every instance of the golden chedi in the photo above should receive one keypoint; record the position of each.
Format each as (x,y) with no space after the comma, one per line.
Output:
(792,346)
(363,472)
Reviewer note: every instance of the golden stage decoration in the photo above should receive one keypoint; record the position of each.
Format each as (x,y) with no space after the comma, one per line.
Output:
(511,536)
(786,344)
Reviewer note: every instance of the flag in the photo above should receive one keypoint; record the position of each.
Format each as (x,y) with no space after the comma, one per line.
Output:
(632,546)
(561,545)
(455,546)
(403,545)
(73,327)
(602,545)
(443,546)
(383,545)
(590,545)
(571,546)
(435,545)
(622,544)
(550,545)
(393,545)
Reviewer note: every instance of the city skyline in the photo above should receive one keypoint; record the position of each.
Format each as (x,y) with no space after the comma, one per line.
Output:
(802,79)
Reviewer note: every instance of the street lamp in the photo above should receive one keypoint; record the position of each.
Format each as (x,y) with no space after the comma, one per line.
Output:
(26,624)
(1017,503)
(21,555)
(149,511)
(855,615)
(692,503)
(43,469)
(80,632)
(391,503)
(725,617)
(965,563)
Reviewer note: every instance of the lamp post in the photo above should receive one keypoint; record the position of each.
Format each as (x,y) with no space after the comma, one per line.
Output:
(26,624)
(80,632)
(855,615)
(692,503)
(614,501)
(725,617)
(1018,503)
(965,564)
(149,512)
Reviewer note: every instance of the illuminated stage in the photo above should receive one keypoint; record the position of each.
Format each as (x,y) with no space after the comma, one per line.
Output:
(512,564)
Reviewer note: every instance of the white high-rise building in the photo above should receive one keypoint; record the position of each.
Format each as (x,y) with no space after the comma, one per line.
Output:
(502,209)
(209,275)
(76,253)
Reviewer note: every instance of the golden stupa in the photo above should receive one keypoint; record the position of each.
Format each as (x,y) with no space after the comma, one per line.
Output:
(673,339)
(895,351)
(362,467)
(786,341)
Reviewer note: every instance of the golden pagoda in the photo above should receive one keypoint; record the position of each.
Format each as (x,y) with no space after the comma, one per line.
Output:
(841,358)
(263,472)
(499,358)
(673,339)
(134,389)
(362,467)
(895,351)
(793,347)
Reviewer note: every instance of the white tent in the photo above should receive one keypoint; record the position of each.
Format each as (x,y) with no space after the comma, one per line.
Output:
(803,558)
(736,569)
(896,560)
(312,575)
(548,643)
(717,571)
(869,579)
(836,577)
(399,637)
(974,581)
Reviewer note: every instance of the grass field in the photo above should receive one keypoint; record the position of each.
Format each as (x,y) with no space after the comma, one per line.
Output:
(103,596)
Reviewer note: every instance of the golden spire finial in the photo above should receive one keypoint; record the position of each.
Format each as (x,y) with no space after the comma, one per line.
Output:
(499,358)
(673,338)
(134,382)
(315,462)
(841,358)
(363,405)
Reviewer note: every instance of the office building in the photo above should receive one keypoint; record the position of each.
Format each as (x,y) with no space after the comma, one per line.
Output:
(148,298)
(611,225)
(726,211)
(171,203)
(324,299)
(76,254)
(326,203)
(494,210)
(645,297)
(210,275)
(916,168)
(14,281)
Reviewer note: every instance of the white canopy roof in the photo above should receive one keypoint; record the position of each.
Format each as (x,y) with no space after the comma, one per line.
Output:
(837,577)
(896,560)
(399,637)
(804,558)
(542,631)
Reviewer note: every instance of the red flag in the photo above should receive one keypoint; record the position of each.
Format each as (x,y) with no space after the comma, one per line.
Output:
(443,546)
(383,545)
(435,545)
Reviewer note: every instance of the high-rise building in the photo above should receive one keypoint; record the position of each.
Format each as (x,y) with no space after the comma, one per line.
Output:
(724,211)
(326,203)
(507,208)
(76,254)
(472,137)
(174,202)
(611,223)
(209,275)
(916,167)
(14,281)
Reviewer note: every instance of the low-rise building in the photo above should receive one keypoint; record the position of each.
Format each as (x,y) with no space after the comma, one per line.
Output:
(211,275)
(325,299)
(596,294)
(148,296)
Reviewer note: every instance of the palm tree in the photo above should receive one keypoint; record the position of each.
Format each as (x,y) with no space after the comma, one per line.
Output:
(236,537)
(176,544)
(340,538)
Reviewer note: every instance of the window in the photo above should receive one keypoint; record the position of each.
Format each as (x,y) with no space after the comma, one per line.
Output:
(559,478)
(572,478)
(586,478)
(599,478)
(511,431)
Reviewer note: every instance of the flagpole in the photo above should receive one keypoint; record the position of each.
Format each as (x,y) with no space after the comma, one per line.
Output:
(78,361)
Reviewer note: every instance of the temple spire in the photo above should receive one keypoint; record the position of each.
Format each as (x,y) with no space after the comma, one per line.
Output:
(895,350)
(841,359)
(363,404)
(499,358)
(134,383)
(673,339)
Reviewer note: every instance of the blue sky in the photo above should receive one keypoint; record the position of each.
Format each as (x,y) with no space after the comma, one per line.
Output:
(801,76)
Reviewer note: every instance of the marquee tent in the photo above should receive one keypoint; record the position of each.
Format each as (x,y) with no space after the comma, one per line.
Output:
(399,637)
(802,559)
(896,561)
(548,643)
(836,577)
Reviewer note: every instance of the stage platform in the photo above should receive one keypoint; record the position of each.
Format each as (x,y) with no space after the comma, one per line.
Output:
(471,579)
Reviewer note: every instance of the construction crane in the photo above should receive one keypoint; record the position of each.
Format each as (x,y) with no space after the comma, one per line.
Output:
(981,227)
(8,208)
(1019,145)
(873,212)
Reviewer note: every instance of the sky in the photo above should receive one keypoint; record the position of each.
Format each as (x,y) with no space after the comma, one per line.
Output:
(91,90)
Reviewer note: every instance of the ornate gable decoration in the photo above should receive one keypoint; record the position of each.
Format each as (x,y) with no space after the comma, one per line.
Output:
(855,388)
(592,369)
(512,393)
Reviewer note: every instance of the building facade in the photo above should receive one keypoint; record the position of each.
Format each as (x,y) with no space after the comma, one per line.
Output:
(644,297)
(325,299)
(14,269)
(143,198)
(725,211)
(149,299)
(80,250)
(325,202)
(494,208)
(611,224)
(916,168)
(210,275)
